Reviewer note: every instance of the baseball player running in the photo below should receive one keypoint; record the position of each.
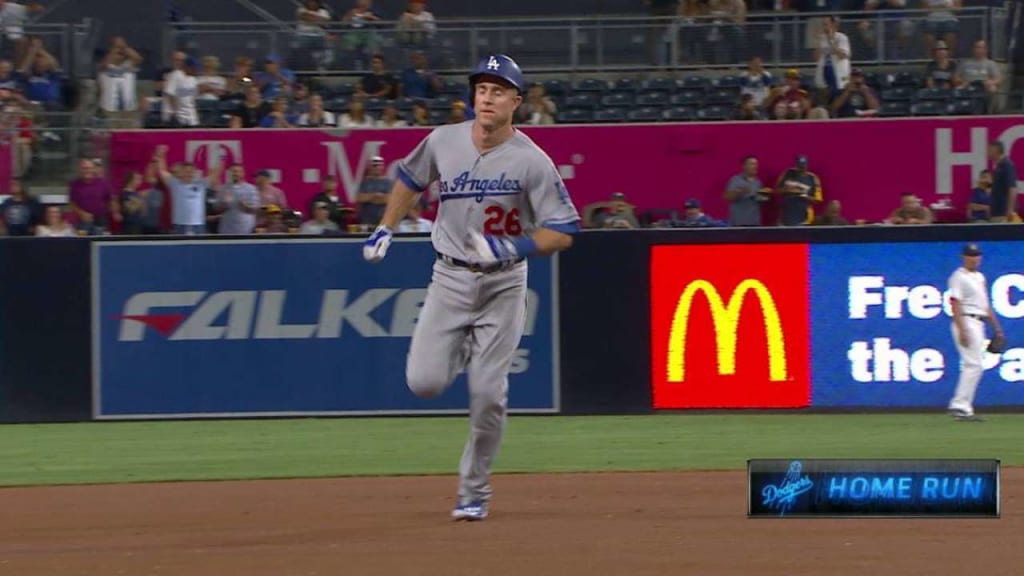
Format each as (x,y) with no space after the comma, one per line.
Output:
(968,297)
(501,201)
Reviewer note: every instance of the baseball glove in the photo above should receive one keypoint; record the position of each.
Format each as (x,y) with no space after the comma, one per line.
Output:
(997,344)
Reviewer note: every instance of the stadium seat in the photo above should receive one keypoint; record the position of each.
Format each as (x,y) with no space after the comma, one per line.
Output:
(661,84)
(346,89)
(618,99)
(591,85)
(555,88)
(906,79)
(207,106)
(575,116)
(610,115)
(937,94)
(721,97)
(649,217)
(687,98)
(153,120)
(928,108)
(729,81)
(652,98)
(696,82)
(581,101)
(897,94)
(442,101)
(966,107)
(455,88)
(438,117)
(679,114)
(874,81)
(894,109)
(715,113)
(405,104)
(646,114)
(338,104)
(228,106)
(807,82)
(625,85)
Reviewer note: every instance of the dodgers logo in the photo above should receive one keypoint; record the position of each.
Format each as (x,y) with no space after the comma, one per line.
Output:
(783,496)
(462,186)
(493,64)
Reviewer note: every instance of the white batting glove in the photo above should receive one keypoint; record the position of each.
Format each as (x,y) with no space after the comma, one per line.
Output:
(491,249)
(376,246)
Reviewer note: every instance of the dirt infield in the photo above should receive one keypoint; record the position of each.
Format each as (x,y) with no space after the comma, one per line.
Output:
(678,523)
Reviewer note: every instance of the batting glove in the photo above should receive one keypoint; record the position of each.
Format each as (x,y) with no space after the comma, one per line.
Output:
(376,246)
(492,249)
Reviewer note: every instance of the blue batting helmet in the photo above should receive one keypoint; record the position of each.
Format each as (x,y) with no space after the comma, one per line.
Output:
(499,66)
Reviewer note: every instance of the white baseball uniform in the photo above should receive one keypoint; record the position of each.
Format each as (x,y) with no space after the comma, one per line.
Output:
(971,291)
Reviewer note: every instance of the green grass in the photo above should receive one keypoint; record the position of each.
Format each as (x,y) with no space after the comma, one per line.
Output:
(217,450)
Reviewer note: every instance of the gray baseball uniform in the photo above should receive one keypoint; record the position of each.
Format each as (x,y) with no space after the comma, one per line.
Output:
(472,319)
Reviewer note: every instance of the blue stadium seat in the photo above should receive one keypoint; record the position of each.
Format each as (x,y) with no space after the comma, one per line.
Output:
(581,101)
(442,101)
(610,115)
(875,81)
(228,106)
(680,114)
(618,99)
(575,116)
(346,89)
(555,88)
(928,108)
(897,94)
(967,107)
(652,98)
(908,79)
(154,106)
(207,106)
(455,88)
(722,97)
(729,81)
(645,114)
(894,109)
(937,94)
(590,85)
(153,120)
(662,84)
(438,117)
(405,104)
(807,82)
(715,113)
(375,104)
(338,104)
(625,85)
(696,82)
(687,98)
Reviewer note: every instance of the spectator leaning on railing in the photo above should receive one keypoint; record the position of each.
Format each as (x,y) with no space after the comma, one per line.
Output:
(416,26)
(13,17)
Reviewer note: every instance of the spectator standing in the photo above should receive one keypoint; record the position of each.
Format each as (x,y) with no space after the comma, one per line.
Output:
(54,225)
(211,85)
(857,100)
(657,31)
(252,111)
(416,26)
(337,211)
(980,70)
(320,223)
(356,117)
(537,108)
(13,17)
(20,213)
(310,35)
(188,195)
(1004,184)
(180,91)
(418,81)
(42,75)
(833,55)
(378,83)
(317,116)
(117,80)
(391,119)
(799,189)
(275,81)
(745,193)
(270,195)
(279,117)
(237,202)
(414,222)
(140,206)
(941,23)
(373,192)
(911,211)
(726,37)
(832,216)
(757,81)
(91,199)
(941,72)
(979,207)
(360,38)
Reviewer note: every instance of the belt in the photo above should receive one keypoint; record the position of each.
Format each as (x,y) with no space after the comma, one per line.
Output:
(480,268)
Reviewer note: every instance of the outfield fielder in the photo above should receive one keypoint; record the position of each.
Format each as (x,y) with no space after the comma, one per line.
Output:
(501,202)
(968,298)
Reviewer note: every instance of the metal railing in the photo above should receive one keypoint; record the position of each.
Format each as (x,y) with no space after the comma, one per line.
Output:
(590,44)
(72,44)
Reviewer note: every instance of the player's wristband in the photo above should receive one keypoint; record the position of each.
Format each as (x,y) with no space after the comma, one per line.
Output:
(525,246)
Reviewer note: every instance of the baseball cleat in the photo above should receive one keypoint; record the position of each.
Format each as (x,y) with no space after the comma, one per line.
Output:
(969,418)
(470,512)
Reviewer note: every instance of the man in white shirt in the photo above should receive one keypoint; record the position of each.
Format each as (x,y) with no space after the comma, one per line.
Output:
(833,69)
(968,299)
(180,90)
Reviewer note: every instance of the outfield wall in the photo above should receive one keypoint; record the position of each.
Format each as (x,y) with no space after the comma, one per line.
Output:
(626,322)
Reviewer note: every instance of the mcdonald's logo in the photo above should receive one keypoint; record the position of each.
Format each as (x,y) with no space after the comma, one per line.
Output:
(726,317)
(730,326)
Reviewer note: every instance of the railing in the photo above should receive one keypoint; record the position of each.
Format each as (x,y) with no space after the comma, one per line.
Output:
(72,44)
(587,44)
